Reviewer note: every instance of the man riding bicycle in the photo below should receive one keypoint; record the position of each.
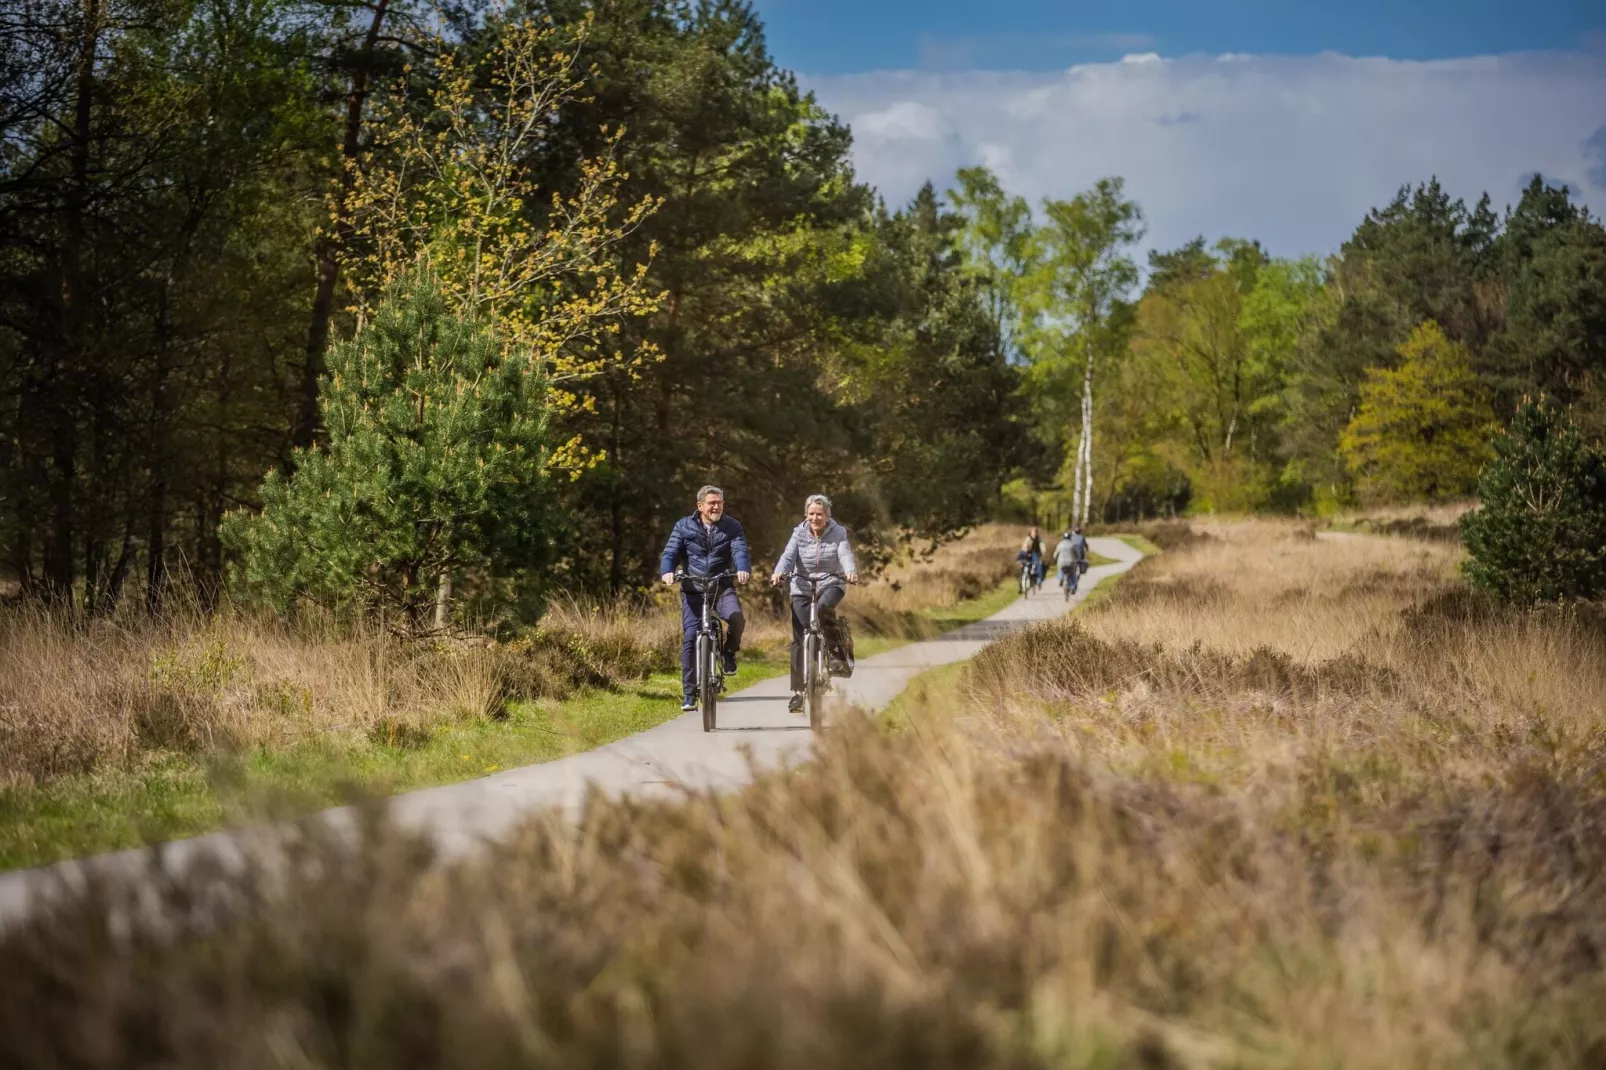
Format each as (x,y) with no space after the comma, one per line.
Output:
(708,542)
(1070,554)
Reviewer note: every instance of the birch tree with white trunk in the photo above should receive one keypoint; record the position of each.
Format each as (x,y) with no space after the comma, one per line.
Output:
(1075,296)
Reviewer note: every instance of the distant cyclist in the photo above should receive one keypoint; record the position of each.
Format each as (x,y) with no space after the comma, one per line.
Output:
(709,542)
(1070,554)
(1033,546)
(818,550)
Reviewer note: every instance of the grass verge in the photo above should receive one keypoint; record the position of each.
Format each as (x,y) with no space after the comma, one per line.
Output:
(174,795)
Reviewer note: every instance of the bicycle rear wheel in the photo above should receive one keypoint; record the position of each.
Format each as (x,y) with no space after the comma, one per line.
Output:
(707,686)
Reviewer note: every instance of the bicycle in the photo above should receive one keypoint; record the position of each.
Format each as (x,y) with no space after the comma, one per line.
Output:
(1069,584)
(710,641)
(816,674)
(1027,578)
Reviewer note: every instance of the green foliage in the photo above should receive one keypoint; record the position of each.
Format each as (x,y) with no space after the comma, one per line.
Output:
(1423,429)
(433,464)
(995,244)
(1206,375)
(936,396)
(1076,316)
(1423,256)
(1540,535)
(156,184)
(1554,258)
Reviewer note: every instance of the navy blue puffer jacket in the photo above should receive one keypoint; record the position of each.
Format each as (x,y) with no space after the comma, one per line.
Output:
(706,550)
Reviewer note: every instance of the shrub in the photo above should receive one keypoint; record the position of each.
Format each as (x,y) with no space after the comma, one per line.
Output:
(433,464)
(1540,535)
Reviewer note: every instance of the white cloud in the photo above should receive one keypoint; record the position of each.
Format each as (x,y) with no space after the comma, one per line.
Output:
(903,121)
(1291,150)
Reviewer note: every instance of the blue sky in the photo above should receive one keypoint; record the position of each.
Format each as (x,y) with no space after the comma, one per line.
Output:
(820,37)
(1279,121)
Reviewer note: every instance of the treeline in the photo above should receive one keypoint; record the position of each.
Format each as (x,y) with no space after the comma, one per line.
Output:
(379,298)
(1233,380)
(199,199)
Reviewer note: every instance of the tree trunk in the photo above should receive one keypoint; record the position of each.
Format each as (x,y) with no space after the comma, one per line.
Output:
(119,576)
(616,564)
(1082,475)
(443,602)
(332,245)
(1087,442)
(156,534)
(59,559)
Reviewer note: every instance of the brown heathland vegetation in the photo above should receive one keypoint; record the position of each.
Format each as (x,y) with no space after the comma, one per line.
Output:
(113,693)
(1280,801)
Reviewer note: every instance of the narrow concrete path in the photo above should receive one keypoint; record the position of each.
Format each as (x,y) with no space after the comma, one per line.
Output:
(755,733)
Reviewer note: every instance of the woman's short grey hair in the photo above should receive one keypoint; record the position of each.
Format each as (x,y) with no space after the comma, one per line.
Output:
(820,500)
(704,491)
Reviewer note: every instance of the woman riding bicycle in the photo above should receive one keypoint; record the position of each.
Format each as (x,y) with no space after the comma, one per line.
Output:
(817,555)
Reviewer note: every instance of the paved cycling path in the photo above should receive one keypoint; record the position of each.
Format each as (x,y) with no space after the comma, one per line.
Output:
(756,731)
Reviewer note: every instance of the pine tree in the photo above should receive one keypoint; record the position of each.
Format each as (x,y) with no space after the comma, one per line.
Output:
(1540,535)
(1423,429)
(433,465)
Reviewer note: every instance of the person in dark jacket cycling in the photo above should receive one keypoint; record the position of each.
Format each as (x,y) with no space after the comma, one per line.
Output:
(708,542)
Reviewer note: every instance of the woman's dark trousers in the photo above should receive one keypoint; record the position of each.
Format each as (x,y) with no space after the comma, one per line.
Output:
(829,597)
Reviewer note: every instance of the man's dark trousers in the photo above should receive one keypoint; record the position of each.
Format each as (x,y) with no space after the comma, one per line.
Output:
(728,608)
(829,597)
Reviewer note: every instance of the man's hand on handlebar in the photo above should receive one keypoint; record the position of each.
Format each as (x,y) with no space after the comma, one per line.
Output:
(669,579)
(853,577)
(743,577)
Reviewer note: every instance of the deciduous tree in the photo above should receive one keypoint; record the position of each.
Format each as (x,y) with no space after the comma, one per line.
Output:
(1423,430)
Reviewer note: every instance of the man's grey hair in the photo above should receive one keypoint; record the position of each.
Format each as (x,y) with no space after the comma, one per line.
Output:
(819,499)
(707,489)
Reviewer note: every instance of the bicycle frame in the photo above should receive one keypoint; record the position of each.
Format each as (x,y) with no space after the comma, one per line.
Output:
(710,639)
(816,681)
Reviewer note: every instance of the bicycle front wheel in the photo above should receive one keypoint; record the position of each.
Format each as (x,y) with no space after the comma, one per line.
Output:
(707,686)
(813,681)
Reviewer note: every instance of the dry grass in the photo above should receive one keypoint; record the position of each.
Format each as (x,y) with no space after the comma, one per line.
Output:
(903,601)
(112,694)
(1258,583)
(1262,653)
(953,573)
(1175,834)
(77,698)
(1436,521)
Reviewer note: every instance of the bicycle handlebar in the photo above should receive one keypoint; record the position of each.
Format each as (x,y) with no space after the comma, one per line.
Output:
(809,577)
(702,580)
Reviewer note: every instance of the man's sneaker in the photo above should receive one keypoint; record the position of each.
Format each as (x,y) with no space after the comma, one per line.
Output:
(795,703)
(689,706)
(727,662)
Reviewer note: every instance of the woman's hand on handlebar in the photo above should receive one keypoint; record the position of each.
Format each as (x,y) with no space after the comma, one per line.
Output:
(777,579)
(669,579)
(743,577)
(853,577)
